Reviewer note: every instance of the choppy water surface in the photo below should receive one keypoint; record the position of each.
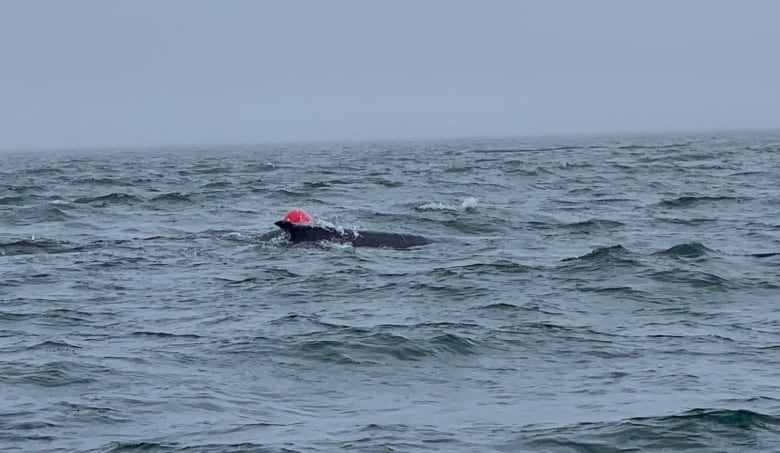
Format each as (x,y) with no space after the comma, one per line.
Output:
(606,293)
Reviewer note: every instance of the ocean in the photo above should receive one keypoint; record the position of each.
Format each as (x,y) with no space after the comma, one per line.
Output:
(604,293)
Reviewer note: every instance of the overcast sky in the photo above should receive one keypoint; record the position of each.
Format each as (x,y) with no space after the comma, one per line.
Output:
(94,73)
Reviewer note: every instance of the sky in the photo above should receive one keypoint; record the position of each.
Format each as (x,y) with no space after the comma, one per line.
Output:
(145,73)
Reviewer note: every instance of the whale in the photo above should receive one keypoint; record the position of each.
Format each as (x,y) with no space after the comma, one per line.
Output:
(307,232)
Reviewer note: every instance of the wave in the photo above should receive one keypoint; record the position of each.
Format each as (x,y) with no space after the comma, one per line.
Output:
(497,267)
(112,198)
(697,429)
(33,246)
(163,335)
(501,306)
(12,200)
(39,171)
(531,307)
(65,314)
(463,169)
(259,167)
(175,447)
(630,147)
(321,184)
(385,182)
(613,254)
(626,291)
(688,201)
(217,185)
(467,204)
(696,279)
(38,214)
(9,316)
(325,184)
(229,281)
(206,169)
(43,245)
(58,316)
(532,150)
(57,346)
(23,188)
(355,346)
(172,197)
(687,250)
(289,193)
(104,181)
(92,414)
(764,255)
(520,169)
(592,225)
(27,279)
(667,146)
(690,222)
(53,374)
(31,426)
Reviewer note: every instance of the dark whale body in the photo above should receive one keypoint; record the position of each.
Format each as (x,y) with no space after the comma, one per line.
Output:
(304,233)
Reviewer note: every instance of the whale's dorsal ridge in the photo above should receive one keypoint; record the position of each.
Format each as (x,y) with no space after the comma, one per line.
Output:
(306,232)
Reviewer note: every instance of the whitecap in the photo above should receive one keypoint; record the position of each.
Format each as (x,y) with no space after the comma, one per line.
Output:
(467,204)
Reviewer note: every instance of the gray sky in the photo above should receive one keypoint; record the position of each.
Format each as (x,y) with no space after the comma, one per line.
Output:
(93,73)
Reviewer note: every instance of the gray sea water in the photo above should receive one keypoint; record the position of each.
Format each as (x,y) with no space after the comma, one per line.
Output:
(599,294)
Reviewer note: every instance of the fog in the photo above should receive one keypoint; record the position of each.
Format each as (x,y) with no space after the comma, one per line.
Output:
(138,73)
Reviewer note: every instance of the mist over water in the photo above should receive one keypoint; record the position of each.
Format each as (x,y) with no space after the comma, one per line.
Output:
(96,73)
(600,293)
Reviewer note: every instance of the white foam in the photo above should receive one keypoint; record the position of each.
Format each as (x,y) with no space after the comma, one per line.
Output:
(468,204)
(436,207)
(333,245)
(276,241)
(232,235)
(341,229)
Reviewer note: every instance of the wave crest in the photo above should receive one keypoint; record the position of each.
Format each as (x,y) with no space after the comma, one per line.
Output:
(697,429)
(688,201)
(467,204)
(688,250)
(112,198)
